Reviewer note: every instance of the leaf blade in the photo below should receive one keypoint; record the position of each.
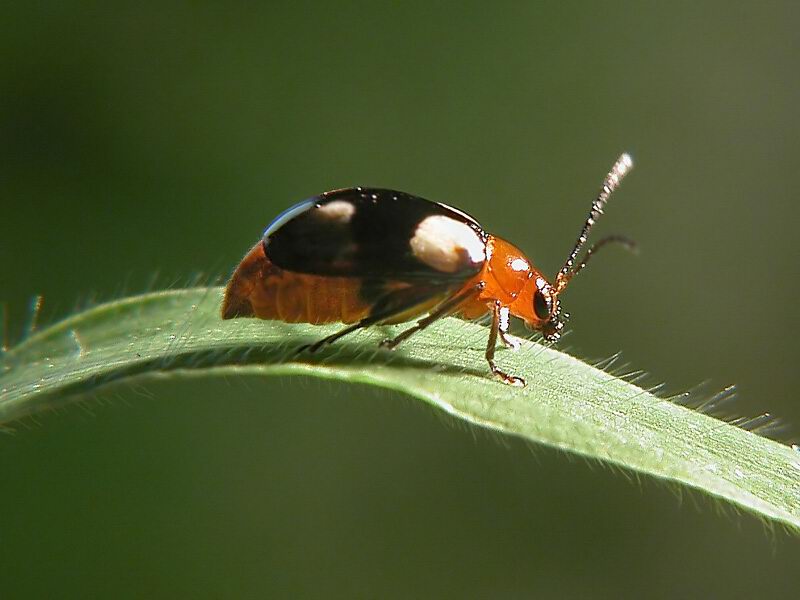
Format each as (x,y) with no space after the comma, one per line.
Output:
(567,404)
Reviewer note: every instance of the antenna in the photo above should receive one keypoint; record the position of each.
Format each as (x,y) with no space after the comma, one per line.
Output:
(621,168)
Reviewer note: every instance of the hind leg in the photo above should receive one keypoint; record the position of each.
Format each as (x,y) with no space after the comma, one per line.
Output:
(395,304)
(442,310)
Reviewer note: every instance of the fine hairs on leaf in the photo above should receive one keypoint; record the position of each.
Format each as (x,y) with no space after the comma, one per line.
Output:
(567,404)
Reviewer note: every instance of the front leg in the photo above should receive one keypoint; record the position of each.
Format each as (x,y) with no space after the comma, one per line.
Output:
(505,317)
(490,348)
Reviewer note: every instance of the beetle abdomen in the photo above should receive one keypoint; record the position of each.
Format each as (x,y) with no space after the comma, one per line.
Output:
(260,289)
(300,298)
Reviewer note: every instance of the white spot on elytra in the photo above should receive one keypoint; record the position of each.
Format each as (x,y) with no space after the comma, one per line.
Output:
(339,211)
(447,245)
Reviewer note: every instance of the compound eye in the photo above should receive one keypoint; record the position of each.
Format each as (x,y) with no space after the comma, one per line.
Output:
(541,306)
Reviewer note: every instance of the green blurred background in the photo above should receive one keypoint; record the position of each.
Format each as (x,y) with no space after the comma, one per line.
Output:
(139,139)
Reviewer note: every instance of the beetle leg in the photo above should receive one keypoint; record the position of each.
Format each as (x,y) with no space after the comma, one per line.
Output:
(503,330)
(490,348)
(366,322)
(440,311)
(389,306)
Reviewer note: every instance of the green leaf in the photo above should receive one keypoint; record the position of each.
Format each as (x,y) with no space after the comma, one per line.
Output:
(567,403)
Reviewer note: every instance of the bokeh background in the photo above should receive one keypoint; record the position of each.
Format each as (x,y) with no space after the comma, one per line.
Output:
(160,138)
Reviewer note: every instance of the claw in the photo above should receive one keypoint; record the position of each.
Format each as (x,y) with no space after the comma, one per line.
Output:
(508,379)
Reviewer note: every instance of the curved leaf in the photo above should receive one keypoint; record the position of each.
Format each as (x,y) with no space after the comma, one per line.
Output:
(567,403)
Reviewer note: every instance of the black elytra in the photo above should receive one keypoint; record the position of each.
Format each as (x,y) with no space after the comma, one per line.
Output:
(372,243)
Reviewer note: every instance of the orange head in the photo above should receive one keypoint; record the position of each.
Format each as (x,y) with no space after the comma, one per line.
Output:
(532,297)
(538,306)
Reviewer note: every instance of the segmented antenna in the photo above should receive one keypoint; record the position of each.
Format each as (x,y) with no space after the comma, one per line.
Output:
(622,240)
(618,171)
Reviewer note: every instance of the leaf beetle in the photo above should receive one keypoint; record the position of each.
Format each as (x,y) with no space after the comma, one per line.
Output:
(365,256)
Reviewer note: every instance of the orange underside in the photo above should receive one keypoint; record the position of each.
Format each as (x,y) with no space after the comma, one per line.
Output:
(259,289)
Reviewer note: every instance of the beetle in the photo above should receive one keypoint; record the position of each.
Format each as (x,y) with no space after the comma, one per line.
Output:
(365,256)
